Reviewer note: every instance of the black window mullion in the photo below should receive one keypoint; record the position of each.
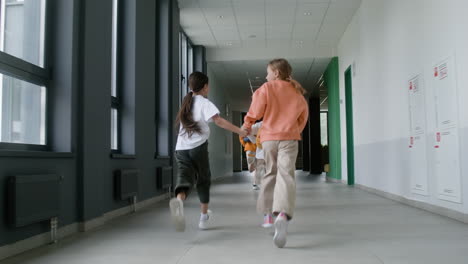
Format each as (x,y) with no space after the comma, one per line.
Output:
(13,62)
(115,102)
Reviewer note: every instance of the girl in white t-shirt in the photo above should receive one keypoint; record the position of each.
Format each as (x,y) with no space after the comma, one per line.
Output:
(191,151)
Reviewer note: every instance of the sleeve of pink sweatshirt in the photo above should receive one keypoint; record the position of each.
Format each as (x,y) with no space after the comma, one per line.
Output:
(257,108)
(302,120)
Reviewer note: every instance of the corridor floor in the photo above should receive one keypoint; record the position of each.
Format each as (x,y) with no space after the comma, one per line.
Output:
(333,223)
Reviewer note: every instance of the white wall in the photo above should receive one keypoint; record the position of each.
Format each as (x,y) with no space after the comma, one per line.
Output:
(220,141)
(391,41)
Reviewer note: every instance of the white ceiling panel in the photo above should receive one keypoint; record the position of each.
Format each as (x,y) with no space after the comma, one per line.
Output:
(230,29)
(249,16)
(306,32)
(279,31)
(279,44)
(345,3)
(248,32)
(219,17)
(332,32)
(254,42)
(311,13)
(281,13)
(202,36)
(228,44)
(339,16)
(226,33)
(192,16)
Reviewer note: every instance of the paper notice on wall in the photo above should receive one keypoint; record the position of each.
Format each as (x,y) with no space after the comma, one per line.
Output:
(417,139)
(417,106)
(447,166)
(445,94)
(418,165)
(446,140)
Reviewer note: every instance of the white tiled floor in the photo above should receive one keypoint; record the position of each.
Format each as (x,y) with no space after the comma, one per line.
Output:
(333,224)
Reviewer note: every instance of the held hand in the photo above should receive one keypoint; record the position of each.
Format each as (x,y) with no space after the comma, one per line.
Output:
(246,129)
(243,132)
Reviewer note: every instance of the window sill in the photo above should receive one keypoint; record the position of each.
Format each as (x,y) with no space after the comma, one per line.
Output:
(122,156)
(162,157)
(36,154)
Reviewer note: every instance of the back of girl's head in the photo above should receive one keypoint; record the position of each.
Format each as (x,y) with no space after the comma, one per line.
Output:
(284,73)
(197,82)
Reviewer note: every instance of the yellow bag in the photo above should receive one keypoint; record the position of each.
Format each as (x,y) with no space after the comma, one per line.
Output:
(259,145)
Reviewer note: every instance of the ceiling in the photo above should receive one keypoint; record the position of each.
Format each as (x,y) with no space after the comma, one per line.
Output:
(241,36)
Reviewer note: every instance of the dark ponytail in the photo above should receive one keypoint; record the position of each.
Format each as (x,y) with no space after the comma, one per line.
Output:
(197,82)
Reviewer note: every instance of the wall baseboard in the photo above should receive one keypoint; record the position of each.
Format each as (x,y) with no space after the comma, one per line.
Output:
(459,216)
(22,246)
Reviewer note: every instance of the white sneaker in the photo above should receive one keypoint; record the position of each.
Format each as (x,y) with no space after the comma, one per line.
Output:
(204,224)
(177,213)
(267,221)
(255,187)
(281,230)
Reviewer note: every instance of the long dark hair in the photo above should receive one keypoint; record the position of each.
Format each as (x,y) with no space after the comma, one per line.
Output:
(285,70)
(197,81)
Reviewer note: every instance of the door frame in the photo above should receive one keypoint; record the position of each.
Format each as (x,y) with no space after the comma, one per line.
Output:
(349,125)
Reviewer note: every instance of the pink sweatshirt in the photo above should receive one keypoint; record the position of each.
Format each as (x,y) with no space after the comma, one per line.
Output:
(284,110)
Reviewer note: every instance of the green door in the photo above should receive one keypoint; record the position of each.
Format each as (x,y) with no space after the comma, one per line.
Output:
(349,125)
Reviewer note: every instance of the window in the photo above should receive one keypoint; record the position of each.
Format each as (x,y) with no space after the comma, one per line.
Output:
(115,97)
(183,64)
(24,78)
(186,63)
(324,128)
(189,59)
(23,29)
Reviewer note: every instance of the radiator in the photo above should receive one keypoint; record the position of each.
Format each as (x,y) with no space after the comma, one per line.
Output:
(126,183)
(32,198)
(163,177)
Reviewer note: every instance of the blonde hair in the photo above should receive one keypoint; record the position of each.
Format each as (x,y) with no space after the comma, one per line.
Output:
(284,73)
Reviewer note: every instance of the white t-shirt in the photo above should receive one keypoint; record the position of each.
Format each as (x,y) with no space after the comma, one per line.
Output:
(202,112)
(254,131)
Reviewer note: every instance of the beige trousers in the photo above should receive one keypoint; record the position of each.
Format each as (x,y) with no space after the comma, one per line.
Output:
(259,171)
(250,155)
(278,186)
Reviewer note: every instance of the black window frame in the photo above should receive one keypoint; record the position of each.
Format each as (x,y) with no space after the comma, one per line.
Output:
(23,70)
(184,87)
(116,102)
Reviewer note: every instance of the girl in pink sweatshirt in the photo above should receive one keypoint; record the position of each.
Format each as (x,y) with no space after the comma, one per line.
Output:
(281,104)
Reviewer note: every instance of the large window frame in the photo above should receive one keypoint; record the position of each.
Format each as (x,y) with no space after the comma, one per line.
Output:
(116,103)
(186,62)
(37,75)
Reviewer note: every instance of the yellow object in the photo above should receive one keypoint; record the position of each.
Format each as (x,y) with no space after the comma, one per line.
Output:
(326,167)
(248,145)
(259,145)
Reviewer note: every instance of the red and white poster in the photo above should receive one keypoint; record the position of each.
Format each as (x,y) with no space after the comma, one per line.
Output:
(417,136)
(446,142)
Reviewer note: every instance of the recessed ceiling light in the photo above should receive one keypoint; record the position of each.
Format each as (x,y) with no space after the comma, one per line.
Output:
(307,14)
